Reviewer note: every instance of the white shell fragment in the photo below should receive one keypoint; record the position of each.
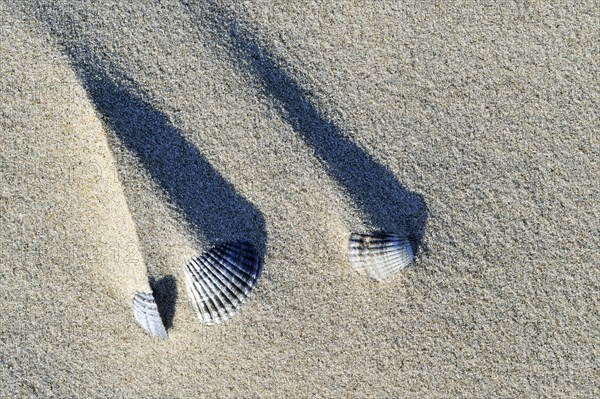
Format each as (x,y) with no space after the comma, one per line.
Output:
(379,256)
(220,280)
(146,313)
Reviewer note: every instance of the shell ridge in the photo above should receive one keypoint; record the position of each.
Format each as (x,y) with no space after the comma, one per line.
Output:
(242,285)
(227,297)
(213,293)
(203,294)
(194,294)
(232,269)
(246,265)
(228,285)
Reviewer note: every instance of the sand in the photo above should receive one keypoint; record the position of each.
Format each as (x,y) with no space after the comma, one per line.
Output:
(137,135)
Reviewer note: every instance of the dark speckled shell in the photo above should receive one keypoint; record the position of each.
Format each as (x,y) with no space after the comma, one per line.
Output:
(380,256)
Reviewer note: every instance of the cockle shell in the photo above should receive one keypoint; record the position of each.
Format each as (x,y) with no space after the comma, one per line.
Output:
(380,255)
(146,313)
(221,280)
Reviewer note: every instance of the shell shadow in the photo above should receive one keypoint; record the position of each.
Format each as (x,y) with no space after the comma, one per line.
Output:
(164,290)
(388,205)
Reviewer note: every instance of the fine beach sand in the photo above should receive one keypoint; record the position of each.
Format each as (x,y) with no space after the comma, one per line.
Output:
(137,135)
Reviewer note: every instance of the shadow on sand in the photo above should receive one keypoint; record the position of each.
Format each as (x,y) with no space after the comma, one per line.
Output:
(164,290)
(209,202)
(389,206)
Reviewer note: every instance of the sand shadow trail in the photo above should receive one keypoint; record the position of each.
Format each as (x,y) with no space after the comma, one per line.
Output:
(388,205)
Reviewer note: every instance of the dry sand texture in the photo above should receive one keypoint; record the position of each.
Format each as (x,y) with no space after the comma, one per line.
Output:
(136,134)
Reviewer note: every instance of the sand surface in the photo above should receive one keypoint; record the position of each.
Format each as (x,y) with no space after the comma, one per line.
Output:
(134,136)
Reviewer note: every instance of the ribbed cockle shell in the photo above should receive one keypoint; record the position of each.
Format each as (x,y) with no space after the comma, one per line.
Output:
(146,313)
(221,280)
(379,256)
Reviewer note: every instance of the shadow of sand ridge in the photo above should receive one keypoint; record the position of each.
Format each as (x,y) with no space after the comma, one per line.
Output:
(388,205)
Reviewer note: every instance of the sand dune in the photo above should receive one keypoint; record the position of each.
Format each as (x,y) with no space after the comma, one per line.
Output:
(135,136)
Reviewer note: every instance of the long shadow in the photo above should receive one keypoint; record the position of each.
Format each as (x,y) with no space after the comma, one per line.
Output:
(208,201)
(388,205)
(210,204)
